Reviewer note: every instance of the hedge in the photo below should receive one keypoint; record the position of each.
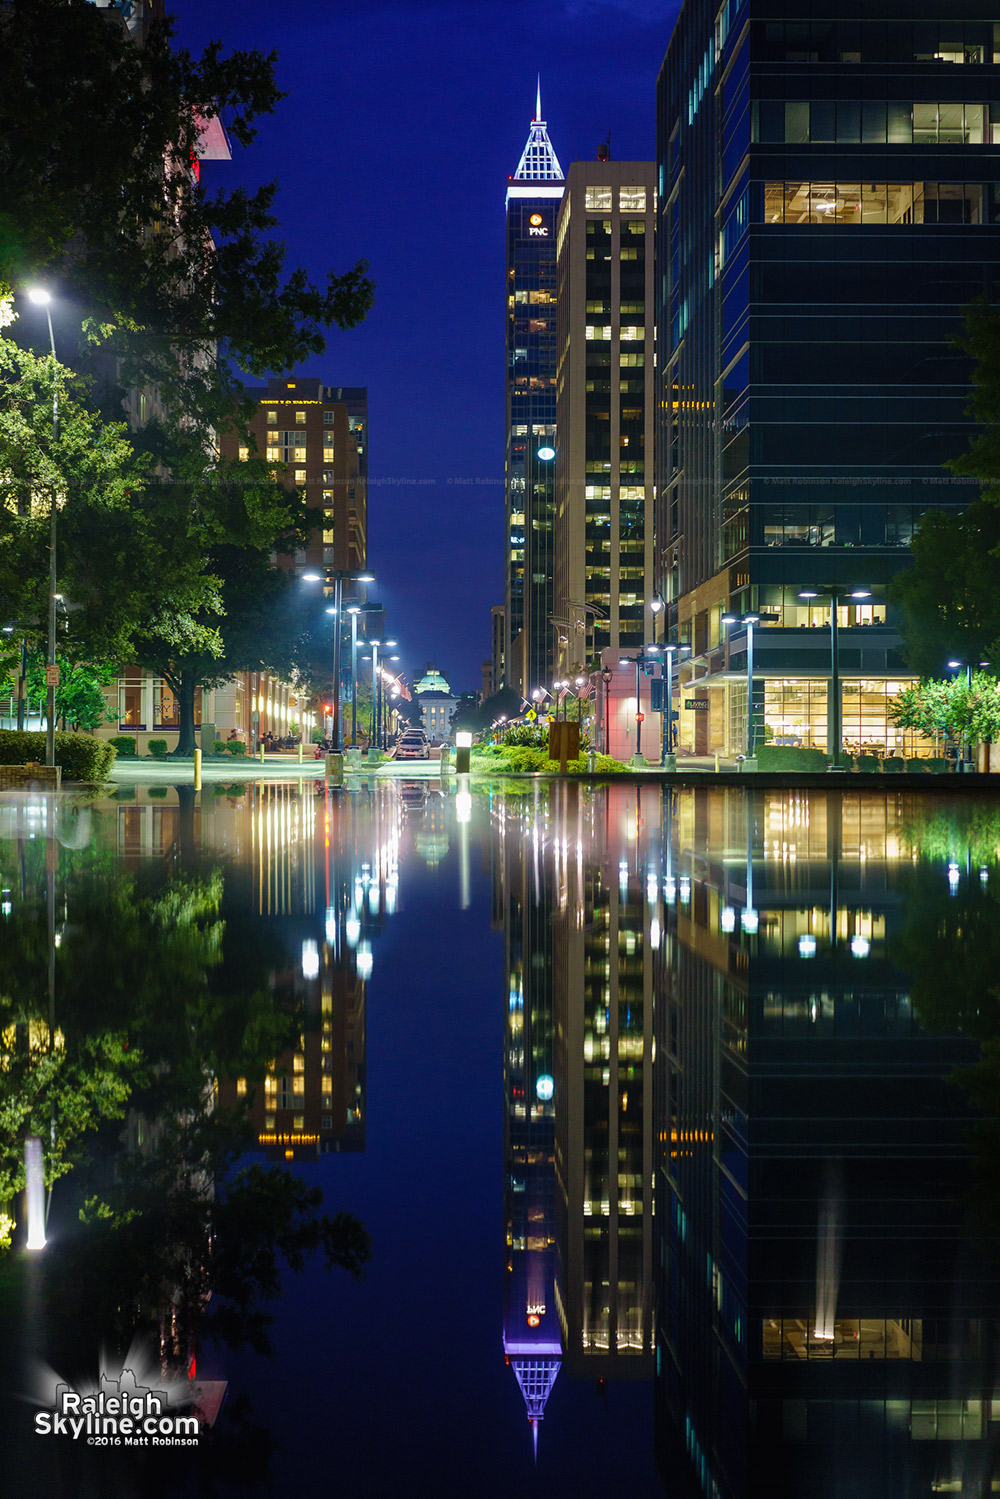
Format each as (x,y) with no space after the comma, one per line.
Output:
(158,790)
(219,747)
(82,756)
(125,745)
(236,747)
(787,757)
(868,764)
(157,748)
(929,764)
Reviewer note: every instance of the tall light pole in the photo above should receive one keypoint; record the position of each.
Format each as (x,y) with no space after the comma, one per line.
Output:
(749,620)
(834,728)
(339,578)
(645,655)
(354,610)
(42,298)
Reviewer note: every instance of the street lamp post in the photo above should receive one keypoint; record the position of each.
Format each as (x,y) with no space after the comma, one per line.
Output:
(42,298)
(643,656)
(340,577)
(834,730)
(354,610)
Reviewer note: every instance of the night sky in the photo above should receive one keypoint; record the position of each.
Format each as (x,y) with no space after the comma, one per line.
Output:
(404,120)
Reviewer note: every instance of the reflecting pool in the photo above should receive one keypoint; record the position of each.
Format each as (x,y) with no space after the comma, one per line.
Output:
(424,1137)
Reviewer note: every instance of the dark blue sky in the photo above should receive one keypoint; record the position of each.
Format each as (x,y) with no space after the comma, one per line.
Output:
(403,121)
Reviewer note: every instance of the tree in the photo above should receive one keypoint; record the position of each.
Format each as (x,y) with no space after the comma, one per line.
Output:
(108,201)
(90,471)
(215,603)
(506,703)
(960,710)
(950,598)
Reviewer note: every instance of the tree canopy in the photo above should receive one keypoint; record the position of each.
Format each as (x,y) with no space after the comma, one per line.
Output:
(108,202)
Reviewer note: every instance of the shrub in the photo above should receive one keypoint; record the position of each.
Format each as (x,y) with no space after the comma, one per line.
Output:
(82,756)
(845,762)
(238,788)
(938,765)
(219,747)
(787,757)
(236,747)
(917,765)
(124,794)
(158,790)
(125,745)
(157,748)
(868,764)
(893,764)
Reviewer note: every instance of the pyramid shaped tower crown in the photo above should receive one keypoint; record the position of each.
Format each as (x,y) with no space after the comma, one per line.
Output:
(539,162)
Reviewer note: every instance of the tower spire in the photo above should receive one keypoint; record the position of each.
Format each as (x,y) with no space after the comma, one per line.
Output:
(539,162)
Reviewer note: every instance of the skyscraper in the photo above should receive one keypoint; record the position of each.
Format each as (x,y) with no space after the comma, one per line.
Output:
(828,206)
(533,195)
(604,408)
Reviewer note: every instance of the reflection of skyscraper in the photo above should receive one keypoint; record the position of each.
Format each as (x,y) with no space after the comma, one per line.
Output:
(820,1325)
(578,1057)
(531,1336)
(604,1115)
(533,195)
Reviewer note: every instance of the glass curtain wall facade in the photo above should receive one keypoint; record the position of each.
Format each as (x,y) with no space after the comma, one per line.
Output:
(604,408)
(828,207)
(533,196)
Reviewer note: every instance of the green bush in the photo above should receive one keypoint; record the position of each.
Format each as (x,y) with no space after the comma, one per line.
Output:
(893,764)
(238,788)
(784,757)
(939,765)
(158,790)
(845,762)
(125,745)
(868,764)
(236,747)
(124,794)
(157,748)
(82,756)
(917,766)
(219,747)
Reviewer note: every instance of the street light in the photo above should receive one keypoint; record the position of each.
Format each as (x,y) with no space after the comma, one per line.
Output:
(42,298)
(834,733)
(645,654)
(339,576)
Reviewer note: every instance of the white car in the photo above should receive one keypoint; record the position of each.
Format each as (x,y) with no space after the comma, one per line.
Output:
(413,746)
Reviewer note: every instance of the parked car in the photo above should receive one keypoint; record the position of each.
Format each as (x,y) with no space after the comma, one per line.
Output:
(413,746)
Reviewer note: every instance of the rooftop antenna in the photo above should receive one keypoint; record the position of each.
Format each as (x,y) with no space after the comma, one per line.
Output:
(538,99)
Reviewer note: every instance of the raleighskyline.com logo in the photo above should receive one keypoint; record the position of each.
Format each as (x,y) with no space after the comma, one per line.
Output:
(119,1412)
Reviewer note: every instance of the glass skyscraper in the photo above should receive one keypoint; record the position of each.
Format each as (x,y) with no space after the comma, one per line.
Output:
(829,202)
(533,195)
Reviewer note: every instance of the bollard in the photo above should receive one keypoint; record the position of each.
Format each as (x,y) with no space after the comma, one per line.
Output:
(463,752)
(197,770)
(445,768)
(300,751)
(262,754)
(716,762)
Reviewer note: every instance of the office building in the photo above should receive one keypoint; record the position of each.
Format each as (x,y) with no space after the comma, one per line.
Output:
(828,205)
(319,437)
(533,195)
(604,410)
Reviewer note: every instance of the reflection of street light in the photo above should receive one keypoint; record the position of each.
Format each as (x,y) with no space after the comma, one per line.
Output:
(42,298)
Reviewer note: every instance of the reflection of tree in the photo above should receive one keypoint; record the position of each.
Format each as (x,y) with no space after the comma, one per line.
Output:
(157,998)
(968,831)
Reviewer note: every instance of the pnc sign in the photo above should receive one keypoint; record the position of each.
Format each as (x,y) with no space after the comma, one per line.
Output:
(536,227)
